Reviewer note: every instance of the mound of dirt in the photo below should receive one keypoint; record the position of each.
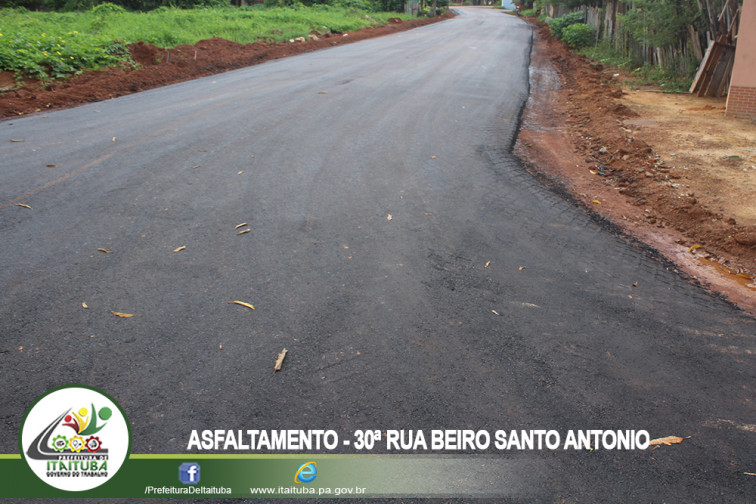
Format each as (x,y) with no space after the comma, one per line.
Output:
(159,67)
(582,135)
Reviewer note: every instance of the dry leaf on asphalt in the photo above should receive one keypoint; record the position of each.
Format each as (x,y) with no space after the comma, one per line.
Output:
(244,231)
(279,360)
(122,315)
(14,140)
(522,268)
(84,304)
(24,205)
(51,166)
(182,247)
(488,263)
(241,225)
(495,313)
(104,250)
(668,441)
(389,217)
(242,303)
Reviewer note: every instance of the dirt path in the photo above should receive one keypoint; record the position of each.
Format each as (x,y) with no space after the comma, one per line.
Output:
(670,170)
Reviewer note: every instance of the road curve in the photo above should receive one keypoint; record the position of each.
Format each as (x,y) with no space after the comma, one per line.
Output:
(418,275)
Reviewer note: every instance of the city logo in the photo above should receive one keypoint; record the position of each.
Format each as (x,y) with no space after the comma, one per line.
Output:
(306,473)
(75,438)
(189,473)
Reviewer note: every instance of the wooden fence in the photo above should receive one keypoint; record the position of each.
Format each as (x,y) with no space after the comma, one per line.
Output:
(719,25)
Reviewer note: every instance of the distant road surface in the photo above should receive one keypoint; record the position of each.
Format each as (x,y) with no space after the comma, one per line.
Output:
(419,277)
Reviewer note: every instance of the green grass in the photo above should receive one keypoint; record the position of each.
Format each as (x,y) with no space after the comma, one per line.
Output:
(50,45)
(641,75)
(606,55)
(672,82)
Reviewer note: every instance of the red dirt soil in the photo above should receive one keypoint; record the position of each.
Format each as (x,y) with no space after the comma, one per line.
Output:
(160,67)
(574,137)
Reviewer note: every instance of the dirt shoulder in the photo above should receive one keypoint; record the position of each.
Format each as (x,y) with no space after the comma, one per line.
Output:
(160,67)
(670,170)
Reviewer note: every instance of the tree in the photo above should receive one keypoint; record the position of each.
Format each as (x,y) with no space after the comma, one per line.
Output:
(659,23)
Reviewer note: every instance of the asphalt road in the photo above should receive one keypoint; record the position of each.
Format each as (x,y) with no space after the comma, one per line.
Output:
(418,275)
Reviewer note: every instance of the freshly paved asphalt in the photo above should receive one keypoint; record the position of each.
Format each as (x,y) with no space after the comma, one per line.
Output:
(389,323)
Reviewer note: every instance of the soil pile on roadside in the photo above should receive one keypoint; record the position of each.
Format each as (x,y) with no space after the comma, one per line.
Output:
(159,67)
(583,138)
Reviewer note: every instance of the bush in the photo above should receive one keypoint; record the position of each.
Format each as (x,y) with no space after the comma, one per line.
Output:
(579,35)
(27,4)
(107,8)
(366,5)
(559,24)
(529,13)
(79,5)
(671,80)
(389,5)
(607,55)
(49,56)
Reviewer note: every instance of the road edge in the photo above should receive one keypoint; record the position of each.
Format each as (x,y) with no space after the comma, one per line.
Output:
(544,116)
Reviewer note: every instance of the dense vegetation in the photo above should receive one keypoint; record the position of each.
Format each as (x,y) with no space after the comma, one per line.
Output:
(661,40)
(49,45)
(146,5)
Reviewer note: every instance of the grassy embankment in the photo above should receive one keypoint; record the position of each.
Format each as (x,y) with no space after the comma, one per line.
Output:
(51,45)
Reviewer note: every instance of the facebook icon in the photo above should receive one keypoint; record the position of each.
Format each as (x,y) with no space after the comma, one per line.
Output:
(189,473)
